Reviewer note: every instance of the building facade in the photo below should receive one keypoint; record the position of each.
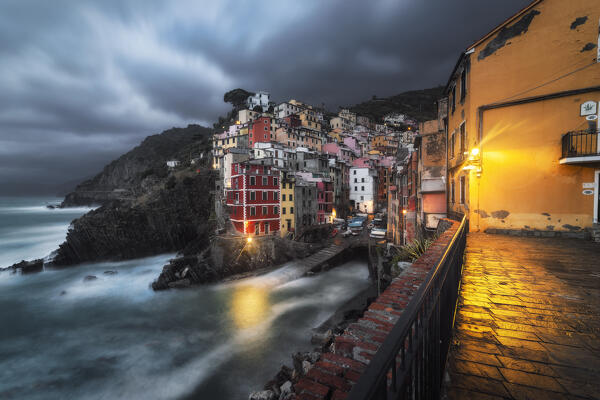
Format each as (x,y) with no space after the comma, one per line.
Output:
(363,189)
(521,154)
(253,199)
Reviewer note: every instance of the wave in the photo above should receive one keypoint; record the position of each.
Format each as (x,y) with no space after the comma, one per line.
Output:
(44,209)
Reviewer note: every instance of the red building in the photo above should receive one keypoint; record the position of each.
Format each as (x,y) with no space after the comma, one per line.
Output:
(259,131)
(253,199)
(324,201)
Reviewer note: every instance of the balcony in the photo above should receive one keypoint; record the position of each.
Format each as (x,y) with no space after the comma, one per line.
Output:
(580,147)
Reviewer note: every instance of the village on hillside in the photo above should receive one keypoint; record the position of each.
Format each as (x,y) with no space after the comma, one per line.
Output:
(284,168)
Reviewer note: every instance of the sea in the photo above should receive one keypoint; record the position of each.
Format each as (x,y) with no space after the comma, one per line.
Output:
(66,337)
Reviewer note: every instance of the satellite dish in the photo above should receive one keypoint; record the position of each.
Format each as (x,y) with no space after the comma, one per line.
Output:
(591,117)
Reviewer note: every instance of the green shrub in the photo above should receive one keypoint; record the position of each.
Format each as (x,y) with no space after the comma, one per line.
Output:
(416,249)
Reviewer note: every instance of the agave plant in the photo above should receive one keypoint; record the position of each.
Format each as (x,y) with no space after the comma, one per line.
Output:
(416,249)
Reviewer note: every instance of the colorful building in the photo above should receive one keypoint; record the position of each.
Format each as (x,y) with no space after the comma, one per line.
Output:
(430,146)
(324,201)
(523,150)
(259,131)
(253,198)
(288,185)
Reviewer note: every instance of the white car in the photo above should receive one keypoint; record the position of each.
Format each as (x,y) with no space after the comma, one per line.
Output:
(346,233)
(378,233)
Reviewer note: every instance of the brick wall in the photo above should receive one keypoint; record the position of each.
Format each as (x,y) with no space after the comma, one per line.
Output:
(333,375)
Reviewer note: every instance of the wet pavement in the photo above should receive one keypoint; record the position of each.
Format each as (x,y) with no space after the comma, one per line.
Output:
(528,320)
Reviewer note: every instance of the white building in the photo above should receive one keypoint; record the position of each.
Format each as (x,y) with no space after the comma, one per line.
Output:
(395,119)
(363,189)
(245,116)
(286,109)
(259,99)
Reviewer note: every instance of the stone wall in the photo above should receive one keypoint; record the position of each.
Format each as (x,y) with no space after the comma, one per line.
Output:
(333,375)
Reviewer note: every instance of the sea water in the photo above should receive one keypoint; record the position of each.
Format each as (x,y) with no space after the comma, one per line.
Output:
(65,337)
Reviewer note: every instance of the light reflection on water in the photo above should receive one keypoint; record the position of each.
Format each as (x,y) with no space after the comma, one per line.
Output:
(249,306)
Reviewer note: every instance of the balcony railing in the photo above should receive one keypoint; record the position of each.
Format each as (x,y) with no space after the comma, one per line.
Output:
(580,144)
(410,362)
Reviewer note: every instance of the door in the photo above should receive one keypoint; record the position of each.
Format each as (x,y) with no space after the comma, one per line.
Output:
(266,228)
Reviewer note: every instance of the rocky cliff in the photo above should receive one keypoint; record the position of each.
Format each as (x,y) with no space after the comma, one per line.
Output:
(136,172)
(146,207)
(165,219)
(228,256)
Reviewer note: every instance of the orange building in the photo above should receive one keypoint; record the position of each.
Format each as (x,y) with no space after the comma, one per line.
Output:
(523,151)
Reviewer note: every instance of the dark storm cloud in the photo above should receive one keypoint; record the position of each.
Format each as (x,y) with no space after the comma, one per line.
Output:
(81,82)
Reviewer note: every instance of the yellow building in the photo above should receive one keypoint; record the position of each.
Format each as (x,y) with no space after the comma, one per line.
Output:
(309,119)
(336,136)
(521,153)
(224,141)
(287,205)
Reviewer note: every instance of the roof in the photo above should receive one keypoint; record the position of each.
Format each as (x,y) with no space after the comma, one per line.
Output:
(487,36)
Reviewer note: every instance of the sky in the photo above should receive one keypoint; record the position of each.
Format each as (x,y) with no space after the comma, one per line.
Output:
(82,82)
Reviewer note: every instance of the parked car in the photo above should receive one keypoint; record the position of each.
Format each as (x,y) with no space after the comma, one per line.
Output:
(378,233)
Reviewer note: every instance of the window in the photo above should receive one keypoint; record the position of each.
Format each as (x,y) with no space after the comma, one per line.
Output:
(453,101)
(452,185)
(265,210)
(275,196)
(362,180)
(362,197)
(291,197)
(283,210)
(275,182)
(252,211)
(291,210)
(356,188)
(275,210)
(266,129)
(463,84)
(265,181)
(252,195)
(452,140)
(283,198)
(362,188)
(237,197)
(354,172)
(463,139)
(265,195)
(462,190)
(252,180)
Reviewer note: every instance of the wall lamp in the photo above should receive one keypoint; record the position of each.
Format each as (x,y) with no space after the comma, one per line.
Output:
(474,161)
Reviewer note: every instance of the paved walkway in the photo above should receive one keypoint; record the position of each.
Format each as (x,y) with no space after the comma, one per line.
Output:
(528,320)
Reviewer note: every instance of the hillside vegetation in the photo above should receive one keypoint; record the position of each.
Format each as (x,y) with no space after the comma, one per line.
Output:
(417,104)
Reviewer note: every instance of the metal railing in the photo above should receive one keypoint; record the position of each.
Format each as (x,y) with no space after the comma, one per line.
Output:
(410,362)
(580,143)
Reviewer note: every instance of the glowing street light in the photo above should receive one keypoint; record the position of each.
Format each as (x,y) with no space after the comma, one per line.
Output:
(475,152)
(249,239)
